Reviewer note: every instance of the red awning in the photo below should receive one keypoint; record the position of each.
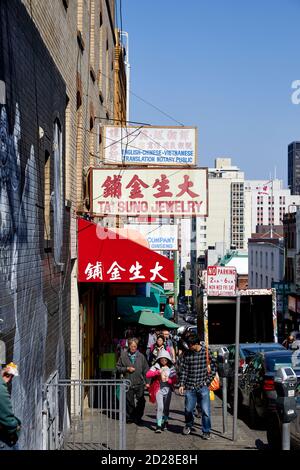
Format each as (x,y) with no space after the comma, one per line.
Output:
(105,256)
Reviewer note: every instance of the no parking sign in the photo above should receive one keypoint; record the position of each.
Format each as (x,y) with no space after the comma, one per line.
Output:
(221,281)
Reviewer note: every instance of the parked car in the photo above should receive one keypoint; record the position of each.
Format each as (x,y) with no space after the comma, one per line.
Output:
(189,318)
(182,329)
(182,308)
(248,350)
(257,391)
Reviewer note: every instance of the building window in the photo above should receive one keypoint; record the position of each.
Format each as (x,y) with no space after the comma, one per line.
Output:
(47,197)
(267,260)
(261,281)
(272,261)
(267,282)
(58,191)
(98,140)
(261,257)
(256,280)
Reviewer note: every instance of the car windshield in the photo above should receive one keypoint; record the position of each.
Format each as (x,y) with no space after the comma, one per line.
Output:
(273,362)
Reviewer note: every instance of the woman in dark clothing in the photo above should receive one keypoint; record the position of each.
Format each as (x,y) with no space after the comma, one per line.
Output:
(133,366)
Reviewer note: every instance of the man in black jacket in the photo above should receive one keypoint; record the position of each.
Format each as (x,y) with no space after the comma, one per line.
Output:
(133,366)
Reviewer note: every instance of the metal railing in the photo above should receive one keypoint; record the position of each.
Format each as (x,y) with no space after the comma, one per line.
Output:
(85,414)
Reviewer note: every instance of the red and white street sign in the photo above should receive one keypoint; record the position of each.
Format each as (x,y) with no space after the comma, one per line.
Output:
(105,256)
(221,281)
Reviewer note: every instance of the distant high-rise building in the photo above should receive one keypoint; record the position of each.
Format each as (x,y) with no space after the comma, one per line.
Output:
(225,224)
(269,201)
(294,167)
(238,207)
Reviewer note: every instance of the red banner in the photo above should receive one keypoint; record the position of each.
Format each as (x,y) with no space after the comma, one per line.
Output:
(104,256)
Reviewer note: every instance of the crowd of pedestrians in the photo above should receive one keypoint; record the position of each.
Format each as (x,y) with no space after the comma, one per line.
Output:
(165,366)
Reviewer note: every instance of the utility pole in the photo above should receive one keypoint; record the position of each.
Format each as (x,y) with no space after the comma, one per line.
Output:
(176,290)
(236,364)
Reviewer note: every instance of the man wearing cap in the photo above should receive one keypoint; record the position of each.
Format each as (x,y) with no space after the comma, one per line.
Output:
(10,425)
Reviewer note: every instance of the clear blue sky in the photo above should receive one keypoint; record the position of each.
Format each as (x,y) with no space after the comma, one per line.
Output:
(225,66)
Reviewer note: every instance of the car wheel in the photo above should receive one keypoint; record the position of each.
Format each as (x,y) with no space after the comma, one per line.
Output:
(253,416)
(273,430)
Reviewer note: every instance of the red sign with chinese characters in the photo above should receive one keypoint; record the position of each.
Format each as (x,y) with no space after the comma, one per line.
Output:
(105,256)
(221,281)
(144,192)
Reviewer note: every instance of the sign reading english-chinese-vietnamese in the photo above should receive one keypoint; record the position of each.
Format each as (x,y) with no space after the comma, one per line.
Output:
(143,191)
(221,281)
(150,145)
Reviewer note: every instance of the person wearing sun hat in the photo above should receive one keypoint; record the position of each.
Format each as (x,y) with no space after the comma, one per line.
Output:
(10,425)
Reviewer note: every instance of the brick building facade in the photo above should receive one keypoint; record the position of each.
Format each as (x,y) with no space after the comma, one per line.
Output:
(35,224)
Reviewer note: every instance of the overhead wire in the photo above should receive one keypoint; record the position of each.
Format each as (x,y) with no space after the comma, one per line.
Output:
(147,102)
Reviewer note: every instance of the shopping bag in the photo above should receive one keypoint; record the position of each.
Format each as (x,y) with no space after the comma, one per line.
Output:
(215,383)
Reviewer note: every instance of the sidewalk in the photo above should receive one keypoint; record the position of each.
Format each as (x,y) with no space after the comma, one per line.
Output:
(144,438)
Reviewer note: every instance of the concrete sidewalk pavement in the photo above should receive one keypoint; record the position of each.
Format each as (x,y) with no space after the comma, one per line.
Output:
(144,438)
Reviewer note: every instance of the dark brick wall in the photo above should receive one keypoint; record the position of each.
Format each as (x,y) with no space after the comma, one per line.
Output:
(34,288)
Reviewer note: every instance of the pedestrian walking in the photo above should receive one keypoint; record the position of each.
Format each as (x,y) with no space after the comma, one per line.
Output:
(133,366)
(152,336)
(10,425)
(183,349)
(169,343)
(290,339)
(163,378)
(194,381)
(157,348)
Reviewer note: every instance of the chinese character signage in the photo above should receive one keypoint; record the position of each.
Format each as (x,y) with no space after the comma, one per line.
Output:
(117,259)
(221,281)
(141,191)
(159,237)
(148,145)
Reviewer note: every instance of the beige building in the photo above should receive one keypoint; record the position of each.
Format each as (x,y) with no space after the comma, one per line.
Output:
(227,221)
